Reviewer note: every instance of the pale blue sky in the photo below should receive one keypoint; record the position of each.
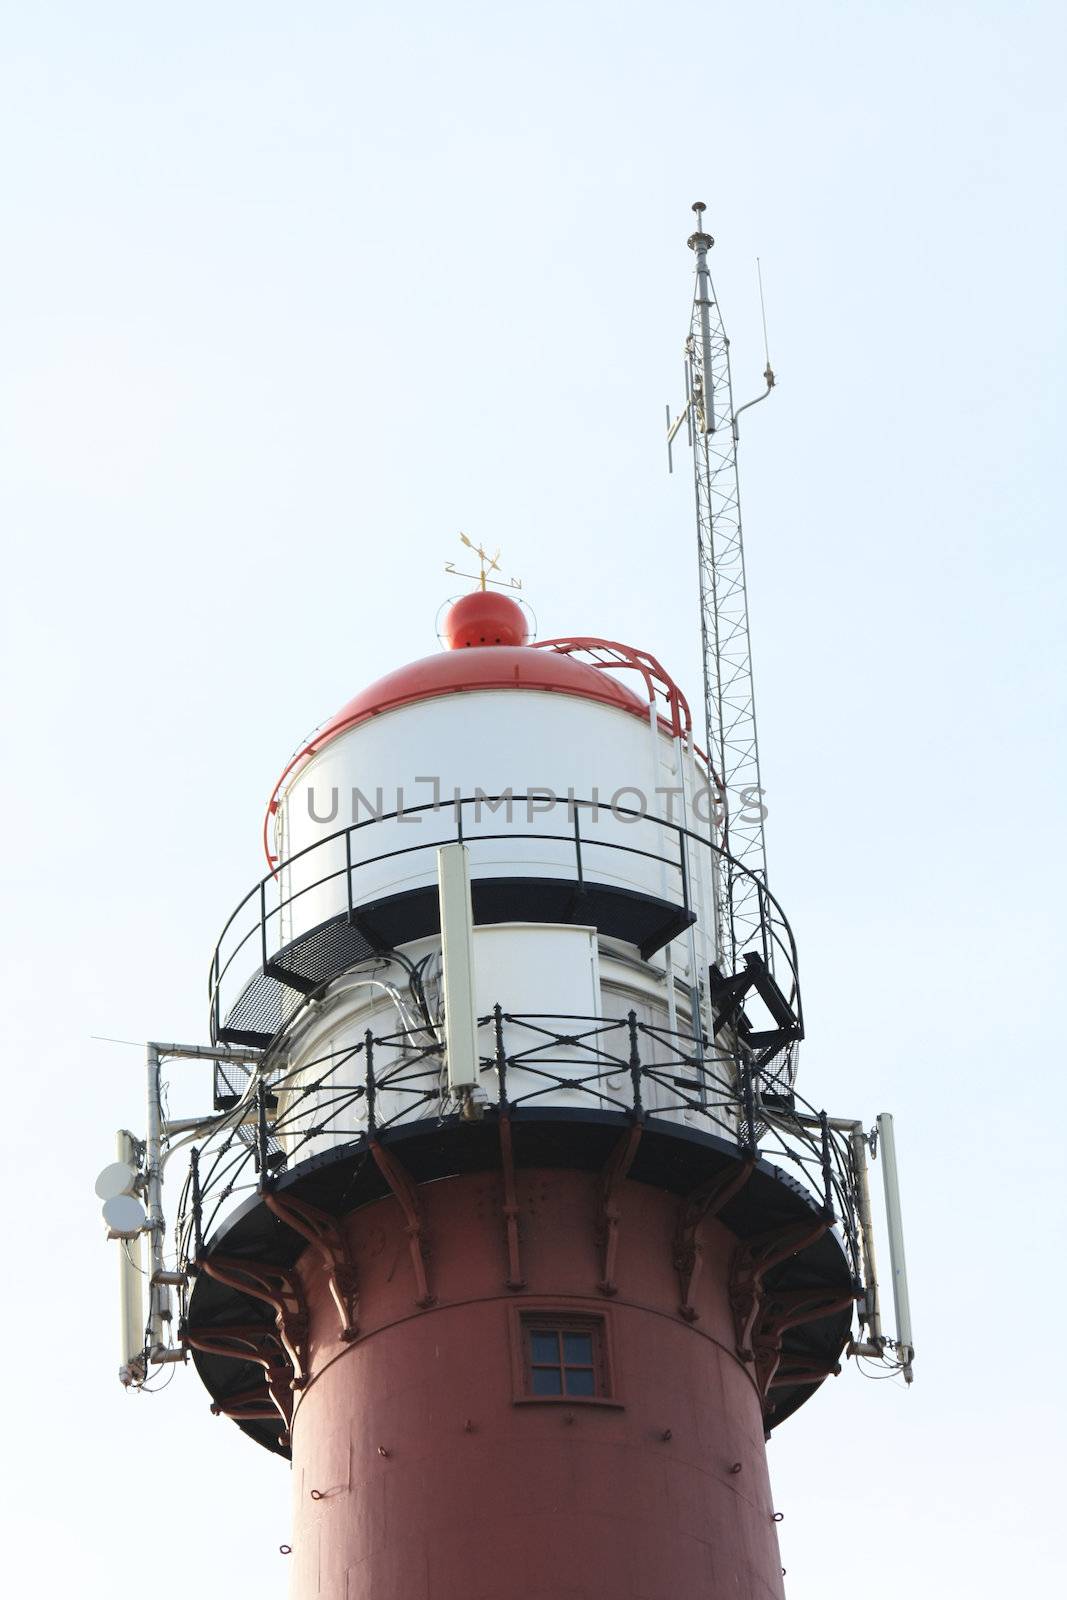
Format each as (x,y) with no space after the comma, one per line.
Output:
(291,294)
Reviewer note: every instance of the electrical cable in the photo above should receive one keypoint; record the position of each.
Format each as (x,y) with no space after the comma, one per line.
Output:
(158,1388)
(129,1258)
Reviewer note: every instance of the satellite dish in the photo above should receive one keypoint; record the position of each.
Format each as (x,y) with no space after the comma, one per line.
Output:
(117,1178)
(124,1215)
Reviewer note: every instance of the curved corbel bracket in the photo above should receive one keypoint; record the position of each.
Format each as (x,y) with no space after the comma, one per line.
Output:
(614,1174)
(515,1279)
(752,1260)
(706,1201)
(277,1288)
(250,1342)
(400,1182)
(322,1232)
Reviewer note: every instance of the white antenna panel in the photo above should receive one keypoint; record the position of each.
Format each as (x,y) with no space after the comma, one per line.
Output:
(125,1216)
(118,1177)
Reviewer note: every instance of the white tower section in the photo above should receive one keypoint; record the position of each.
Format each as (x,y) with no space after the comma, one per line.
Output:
(567,775)
(553,797)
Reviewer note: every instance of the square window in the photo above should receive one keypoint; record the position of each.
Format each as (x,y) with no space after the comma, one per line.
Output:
(577,1349)
(563,1356)
(544,1348)
(580,1380)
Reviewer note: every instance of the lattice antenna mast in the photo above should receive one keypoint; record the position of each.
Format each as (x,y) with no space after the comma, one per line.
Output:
(729,704)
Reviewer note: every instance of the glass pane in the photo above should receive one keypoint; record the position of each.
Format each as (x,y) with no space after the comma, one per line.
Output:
(544,1347)
(545,1380)
(578,1349)
(580,1381)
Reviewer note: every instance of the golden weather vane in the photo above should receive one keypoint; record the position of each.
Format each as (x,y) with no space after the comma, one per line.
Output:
(486,565)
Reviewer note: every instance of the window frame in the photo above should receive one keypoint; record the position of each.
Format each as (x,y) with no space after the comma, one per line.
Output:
(527,1319)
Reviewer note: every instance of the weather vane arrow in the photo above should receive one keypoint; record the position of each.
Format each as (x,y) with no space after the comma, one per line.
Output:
(486,564)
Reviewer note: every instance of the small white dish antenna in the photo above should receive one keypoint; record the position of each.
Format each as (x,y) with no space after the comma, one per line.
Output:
(125,1216)
(118,1177)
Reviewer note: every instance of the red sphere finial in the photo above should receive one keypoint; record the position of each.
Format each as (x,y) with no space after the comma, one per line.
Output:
(485,617)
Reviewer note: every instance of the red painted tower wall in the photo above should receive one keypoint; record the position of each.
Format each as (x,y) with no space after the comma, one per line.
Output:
(422,1470)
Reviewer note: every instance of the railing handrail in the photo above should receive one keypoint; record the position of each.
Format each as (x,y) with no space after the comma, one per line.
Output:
(683,835)
(729,1103)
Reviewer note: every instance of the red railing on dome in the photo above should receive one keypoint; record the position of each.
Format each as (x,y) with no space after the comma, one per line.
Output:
(610,656)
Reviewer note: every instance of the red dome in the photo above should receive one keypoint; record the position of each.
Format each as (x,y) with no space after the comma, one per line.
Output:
(550,667)
(461,670)
(485,617)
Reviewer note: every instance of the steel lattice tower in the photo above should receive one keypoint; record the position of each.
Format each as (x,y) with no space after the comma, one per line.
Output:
(729,701)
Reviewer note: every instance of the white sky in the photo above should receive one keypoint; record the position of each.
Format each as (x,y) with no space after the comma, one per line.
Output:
(291,294)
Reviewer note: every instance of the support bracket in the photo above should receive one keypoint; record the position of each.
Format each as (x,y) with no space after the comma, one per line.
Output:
(404,1190)
(753,1259)
(705,1201)
(728,997)
(790,1308)
(797,1371)
(613,1175)
(279,1289)
(321,1230)
(255,1343)
(510,1208)
(249,1405)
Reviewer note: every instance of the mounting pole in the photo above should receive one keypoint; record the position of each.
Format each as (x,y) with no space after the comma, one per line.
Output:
(701,243)
(159,1308)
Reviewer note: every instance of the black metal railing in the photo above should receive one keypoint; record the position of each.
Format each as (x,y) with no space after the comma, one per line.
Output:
(253,928)
(349,1096)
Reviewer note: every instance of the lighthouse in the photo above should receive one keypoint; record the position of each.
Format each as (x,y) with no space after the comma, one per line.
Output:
(510,1227)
